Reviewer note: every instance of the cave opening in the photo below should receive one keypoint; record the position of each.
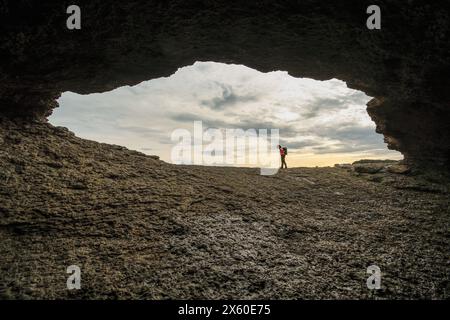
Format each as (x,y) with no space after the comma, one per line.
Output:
(321,122)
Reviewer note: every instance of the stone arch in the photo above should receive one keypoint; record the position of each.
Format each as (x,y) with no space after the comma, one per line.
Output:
(404,65)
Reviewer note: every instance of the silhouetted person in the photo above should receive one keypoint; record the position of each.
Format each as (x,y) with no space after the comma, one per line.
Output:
(283,154)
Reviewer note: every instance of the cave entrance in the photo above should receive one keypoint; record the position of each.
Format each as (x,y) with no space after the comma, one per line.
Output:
(321,122)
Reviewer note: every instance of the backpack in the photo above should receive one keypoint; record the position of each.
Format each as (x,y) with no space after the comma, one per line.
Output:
(285,151)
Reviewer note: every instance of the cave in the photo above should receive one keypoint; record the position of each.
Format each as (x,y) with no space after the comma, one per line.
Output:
(404,65)
(137,227)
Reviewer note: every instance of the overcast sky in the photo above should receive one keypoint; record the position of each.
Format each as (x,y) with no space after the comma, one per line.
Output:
(321,122)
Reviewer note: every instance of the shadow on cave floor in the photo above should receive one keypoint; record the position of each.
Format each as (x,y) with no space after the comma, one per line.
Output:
(141,228)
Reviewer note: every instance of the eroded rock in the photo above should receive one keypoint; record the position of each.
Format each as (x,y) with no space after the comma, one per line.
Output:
(145,229)
(405,66)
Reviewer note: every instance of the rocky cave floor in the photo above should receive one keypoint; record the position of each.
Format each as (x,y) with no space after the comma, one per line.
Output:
(140,228)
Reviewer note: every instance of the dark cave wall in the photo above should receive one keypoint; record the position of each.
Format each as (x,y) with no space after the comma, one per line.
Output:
(405,65)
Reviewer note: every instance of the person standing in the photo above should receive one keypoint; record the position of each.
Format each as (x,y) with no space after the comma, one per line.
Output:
(283,154)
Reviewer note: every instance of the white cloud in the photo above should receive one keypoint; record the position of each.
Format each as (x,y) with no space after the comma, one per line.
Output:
(314,117)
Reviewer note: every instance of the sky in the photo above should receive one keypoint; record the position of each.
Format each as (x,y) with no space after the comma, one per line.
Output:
(321,122)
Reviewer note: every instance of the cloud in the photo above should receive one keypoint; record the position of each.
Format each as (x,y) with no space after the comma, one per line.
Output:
(351,135)
(319,105)
(344,148)
(206,121)
(184,117)
(139,130)
(355,134)
(285,130)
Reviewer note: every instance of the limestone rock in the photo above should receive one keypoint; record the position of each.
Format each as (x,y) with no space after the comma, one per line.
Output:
(347,166)
(405,66)
(368,167)
(140,228)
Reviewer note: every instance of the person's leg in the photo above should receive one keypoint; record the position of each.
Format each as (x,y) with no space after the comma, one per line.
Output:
(284,161)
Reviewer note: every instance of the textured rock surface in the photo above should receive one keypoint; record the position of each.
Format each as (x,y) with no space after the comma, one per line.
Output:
(142,228)
(405,66)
